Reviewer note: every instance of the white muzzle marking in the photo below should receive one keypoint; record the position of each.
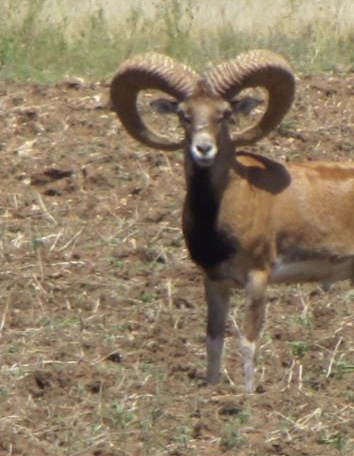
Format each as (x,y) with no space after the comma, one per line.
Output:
(203,150)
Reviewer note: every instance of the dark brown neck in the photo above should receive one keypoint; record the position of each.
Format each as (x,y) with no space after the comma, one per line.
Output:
(207,244)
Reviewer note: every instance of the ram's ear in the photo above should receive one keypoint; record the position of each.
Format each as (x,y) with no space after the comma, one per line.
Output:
(245,105)
(164,105)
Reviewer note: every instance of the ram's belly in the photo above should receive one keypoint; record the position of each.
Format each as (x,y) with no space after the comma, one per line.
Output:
(325,270)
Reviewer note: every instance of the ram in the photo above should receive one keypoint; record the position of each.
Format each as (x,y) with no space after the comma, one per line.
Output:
(247,220)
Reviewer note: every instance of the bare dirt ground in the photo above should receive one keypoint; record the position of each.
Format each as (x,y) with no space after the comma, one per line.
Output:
(102,313)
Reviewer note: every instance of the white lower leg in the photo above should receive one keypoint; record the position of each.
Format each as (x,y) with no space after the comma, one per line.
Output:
(248,350)
(253,321)
(214,353)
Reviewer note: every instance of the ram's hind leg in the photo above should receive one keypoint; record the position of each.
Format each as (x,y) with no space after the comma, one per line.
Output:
(218,299)
(253,322)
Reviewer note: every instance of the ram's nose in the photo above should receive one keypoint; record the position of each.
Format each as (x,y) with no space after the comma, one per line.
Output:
(203,150)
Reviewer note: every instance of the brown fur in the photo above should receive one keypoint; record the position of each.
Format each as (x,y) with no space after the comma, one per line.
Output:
(247,220)
(281,223)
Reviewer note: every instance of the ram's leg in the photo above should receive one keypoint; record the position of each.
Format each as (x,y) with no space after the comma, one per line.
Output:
(218,298)
(253,322)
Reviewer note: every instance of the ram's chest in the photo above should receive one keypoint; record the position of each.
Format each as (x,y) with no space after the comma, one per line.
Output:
(208,244)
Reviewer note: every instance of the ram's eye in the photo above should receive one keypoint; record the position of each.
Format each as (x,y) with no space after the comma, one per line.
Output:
(185,118)
(224,115)
(228,114)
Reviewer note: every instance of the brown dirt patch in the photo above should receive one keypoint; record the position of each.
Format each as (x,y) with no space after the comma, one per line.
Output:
(102,314)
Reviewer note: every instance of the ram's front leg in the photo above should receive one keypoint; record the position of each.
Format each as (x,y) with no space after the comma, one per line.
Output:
(253,322)
(218,299)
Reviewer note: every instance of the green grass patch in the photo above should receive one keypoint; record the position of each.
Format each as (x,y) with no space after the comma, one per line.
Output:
(34,46)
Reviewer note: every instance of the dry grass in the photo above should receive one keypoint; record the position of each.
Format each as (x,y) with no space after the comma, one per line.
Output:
(102,315)
(101,312)
(44,40)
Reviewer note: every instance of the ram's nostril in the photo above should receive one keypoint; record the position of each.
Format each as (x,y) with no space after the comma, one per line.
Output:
(204,148)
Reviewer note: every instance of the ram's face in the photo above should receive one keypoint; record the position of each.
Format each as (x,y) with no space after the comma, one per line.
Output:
(205,120)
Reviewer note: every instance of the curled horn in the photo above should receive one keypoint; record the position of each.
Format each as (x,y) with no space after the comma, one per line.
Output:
(149,71)
(258,68)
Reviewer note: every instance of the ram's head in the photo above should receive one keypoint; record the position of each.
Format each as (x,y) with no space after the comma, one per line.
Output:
(204,104)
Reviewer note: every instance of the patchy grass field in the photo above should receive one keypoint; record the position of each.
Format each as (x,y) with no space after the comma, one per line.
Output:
(102,313)
(42,40)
